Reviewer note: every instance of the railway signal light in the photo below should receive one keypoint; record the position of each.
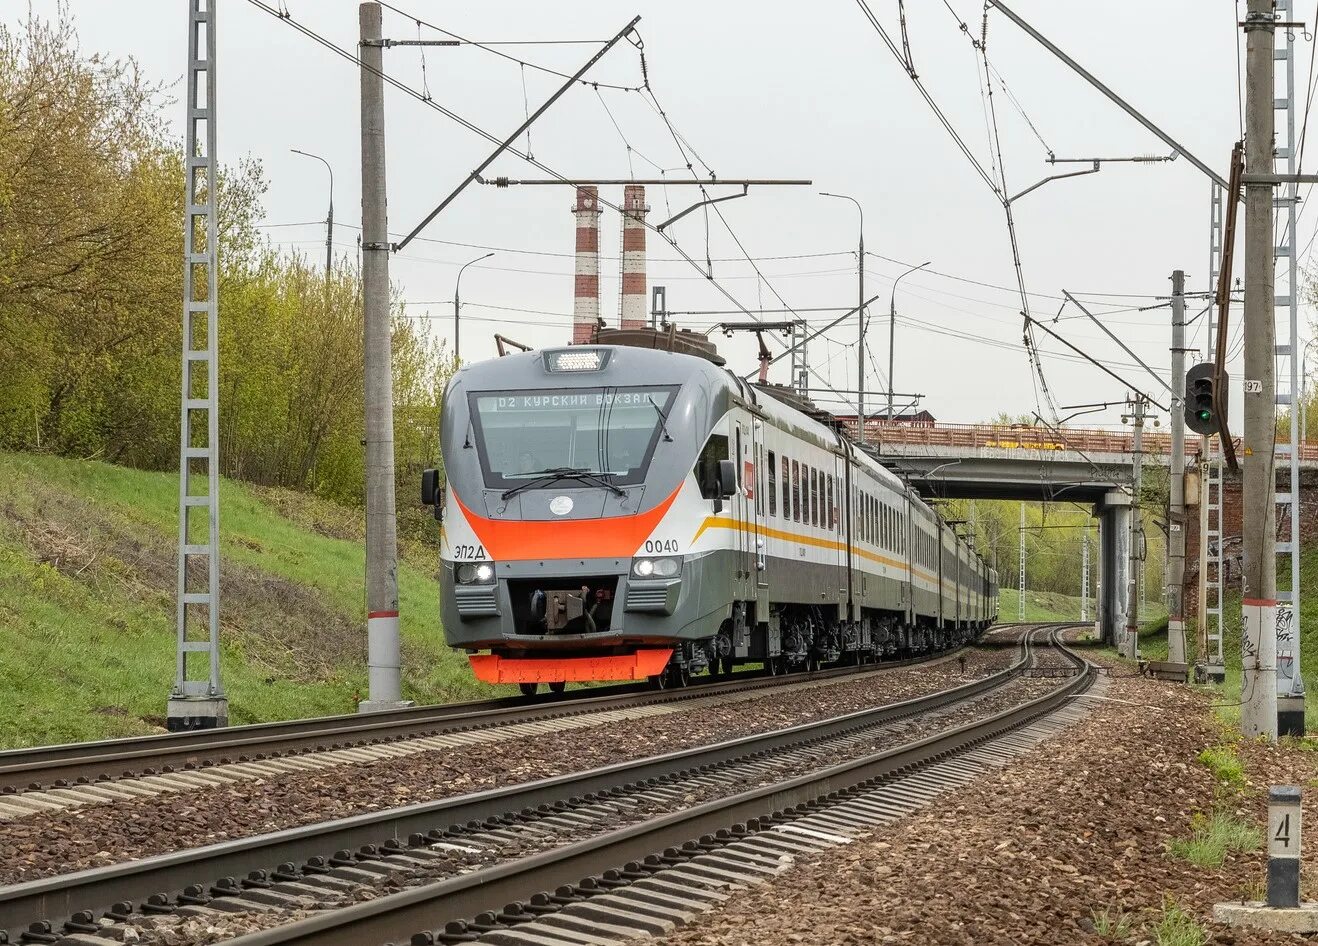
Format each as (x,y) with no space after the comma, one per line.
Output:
(1200,414)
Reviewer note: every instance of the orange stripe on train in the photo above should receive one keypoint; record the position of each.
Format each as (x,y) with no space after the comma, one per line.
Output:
(612,537)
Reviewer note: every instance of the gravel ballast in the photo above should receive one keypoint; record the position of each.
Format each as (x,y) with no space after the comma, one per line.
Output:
(1044,850)
(46,844)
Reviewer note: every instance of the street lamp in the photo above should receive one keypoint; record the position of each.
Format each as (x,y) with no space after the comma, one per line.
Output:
(457,301)
(860,320)
(329,218)
(1304,391)
(892,331)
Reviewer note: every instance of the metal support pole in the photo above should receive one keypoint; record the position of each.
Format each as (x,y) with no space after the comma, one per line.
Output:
(1084,575)
(892,334)
(1130,644)
(1258,713)
(1289,394)
(197,699)
(1176,519)
(383,645)
(457,304)
(329,217)
(860,322)
(1020,573)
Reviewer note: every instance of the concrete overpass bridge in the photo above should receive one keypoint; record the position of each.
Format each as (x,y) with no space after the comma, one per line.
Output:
(1025,463)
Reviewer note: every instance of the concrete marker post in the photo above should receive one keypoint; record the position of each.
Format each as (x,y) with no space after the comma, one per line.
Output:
(1284,814)
(1282,911)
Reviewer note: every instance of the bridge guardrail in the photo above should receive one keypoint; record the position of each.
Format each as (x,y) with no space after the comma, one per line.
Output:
(1030,438)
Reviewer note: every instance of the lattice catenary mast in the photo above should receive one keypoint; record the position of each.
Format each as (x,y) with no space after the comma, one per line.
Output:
(197,699)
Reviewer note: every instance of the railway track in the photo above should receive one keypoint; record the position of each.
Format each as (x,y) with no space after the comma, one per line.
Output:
(559,834)
(55,777)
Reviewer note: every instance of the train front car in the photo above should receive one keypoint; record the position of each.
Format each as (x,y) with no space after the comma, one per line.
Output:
(569,510)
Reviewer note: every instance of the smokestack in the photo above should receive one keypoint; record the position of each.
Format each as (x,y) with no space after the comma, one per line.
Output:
(586,301)
(633,256)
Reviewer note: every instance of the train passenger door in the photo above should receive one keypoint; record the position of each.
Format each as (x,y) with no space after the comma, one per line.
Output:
(760,511)
(908,554)
(838,516)
(846,502)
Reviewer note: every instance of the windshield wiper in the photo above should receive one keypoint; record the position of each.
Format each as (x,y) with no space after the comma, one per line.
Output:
(545,477)
(663,418)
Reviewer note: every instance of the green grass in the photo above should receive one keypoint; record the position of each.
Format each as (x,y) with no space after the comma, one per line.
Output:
(1213,837)
(1225,765)
(1051,606)
(1176,927)
(1113,925)
(87,578)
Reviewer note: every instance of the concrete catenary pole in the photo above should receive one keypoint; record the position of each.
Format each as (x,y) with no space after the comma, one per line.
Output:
(383,650)
(586,291)
(1176,520)
(633,256)
(1258,714)
(1130,644)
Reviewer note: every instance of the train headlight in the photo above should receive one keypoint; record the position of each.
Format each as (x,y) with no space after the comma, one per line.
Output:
(475,573)
(656,567)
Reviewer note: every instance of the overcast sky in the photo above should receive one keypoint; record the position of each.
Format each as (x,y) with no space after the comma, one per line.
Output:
(768,90)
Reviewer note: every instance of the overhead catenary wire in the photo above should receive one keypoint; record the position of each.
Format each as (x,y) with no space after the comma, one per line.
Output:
(489,48)
(929,99)
(450,113)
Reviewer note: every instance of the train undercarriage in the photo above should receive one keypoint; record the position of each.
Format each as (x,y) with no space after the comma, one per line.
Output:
(800,637)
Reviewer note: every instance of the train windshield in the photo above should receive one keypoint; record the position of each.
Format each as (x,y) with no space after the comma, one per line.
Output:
(610,432)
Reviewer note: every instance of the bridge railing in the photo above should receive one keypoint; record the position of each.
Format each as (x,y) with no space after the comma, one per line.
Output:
(970,436)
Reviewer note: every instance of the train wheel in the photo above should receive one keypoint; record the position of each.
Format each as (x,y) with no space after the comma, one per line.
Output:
(727,666)
(679,675)
(771,666)
(557,687)
(528,689)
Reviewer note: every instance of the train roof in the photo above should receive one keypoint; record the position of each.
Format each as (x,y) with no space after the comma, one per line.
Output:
(633,365)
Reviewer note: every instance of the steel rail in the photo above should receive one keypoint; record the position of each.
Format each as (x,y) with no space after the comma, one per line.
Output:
(56,898)
(397,916)
(71,763)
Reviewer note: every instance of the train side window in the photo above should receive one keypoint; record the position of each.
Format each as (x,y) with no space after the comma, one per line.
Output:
(738,459)
(832,507)
(796,491)
(787,491)
(715,449)
(773,484)
(814,496)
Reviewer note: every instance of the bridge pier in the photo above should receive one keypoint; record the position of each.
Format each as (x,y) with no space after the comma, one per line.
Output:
(1113,514)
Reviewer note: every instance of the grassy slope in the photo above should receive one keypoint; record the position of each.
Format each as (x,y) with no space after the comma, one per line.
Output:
(1049,606)
(87,580)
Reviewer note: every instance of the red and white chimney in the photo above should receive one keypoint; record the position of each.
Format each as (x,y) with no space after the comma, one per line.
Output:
(586,300)
(633,256)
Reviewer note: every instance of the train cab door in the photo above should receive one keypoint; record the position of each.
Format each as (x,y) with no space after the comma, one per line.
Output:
(743,446)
